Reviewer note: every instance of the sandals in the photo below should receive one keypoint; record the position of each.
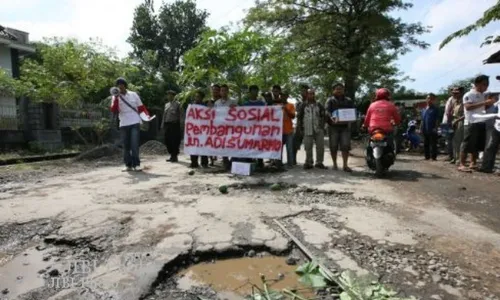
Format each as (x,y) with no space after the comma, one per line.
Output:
(347,170)
(464,169)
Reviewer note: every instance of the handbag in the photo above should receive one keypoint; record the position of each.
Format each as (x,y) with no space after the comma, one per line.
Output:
(144,125)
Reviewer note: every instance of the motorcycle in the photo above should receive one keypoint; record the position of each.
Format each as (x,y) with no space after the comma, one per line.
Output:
(444,130)
(380,153)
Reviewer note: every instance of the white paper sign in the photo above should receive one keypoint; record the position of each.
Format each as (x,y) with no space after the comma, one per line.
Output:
(241,168)
(244,132)
(345,114)
(145,117)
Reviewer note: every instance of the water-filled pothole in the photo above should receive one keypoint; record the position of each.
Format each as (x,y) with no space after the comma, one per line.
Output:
(240,277)
(231,274)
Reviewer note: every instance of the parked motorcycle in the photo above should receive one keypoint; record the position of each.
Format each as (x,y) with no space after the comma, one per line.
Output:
(380,153)
(443,131)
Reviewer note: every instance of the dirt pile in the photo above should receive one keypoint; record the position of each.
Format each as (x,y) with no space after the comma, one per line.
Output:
(153,148)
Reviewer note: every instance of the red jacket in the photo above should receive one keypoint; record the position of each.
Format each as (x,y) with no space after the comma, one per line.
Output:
(380,114)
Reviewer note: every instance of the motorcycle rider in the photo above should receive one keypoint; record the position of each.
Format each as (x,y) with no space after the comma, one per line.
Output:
(382,114)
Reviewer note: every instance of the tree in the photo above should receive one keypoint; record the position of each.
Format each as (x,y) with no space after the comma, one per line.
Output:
(490,15)
(239,59)
(466,83)
(70,72)
(160,40)
(345,40)
(9,86)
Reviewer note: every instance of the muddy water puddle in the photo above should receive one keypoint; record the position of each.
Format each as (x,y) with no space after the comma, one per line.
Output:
(234,278)
(19,275)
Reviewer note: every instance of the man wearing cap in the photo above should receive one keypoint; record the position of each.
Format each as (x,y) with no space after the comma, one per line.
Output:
(451,104)
(173,120)
(128,106)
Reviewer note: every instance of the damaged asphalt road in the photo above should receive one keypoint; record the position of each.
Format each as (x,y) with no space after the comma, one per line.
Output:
(123,235)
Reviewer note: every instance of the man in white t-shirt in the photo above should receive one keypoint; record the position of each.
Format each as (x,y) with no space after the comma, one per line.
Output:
(224,99)
(474,128)
(128,106)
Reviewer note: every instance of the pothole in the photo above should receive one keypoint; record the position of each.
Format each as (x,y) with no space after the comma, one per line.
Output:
(232,275)
(308,196)
(14,236)
(239,277)
(262,184)
(38,257)
(31,274)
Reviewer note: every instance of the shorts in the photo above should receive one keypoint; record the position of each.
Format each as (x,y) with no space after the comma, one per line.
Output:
(474,138)
(339,138)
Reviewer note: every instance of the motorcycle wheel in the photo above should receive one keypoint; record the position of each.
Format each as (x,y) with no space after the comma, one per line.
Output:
(379,168)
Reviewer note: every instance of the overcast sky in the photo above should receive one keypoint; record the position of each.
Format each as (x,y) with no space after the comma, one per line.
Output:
(111,20)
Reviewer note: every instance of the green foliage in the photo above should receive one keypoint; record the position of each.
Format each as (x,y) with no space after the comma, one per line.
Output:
(492,14)
(159,40)
(101,128)
(9,86)
(238,59)
(310,275)
(69,72)
(353,41)
(466,83)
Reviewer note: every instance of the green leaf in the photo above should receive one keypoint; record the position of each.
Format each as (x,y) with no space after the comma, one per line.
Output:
(345,296)
(313,280)
(307,268)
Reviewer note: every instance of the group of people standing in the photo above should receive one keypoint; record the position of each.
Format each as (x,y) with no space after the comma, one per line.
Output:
(311,117)
(472,122)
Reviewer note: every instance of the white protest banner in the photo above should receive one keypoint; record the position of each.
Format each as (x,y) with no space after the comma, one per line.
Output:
(245,132)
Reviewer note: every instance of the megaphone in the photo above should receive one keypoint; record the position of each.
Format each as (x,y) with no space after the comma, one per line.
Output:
(114,91)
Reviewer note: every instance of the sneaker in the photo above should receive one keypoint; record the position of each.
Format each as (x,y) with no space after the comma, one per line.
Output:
(127,169)
(320,166)
(138,169)
(308,167)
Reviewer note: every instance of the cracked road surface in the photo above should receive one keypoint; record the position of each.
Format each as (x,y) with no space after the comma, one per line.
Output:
(426,230)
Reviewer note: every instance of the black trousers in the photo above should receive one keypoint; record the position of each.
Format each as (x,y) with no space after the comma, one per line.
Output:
(194,160)
(297,142)
(173,137)
(430,145)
